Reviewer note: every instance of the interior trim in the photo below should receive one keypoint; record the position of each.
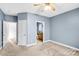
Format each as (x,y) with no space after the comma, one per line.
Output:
(65,45)
(29,45)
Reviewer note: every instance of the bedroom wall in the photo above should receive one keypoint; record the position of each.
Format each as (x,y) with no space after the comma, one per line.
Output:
(64,28)
(22,29)
(10,18)
(32,18)
(1,19)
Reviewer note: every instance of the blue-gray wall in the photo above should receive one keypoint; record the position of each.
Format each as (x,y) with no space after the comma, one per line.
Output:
(22,24)
(10,18)
(1,19)
(1,15)
(22,16)
(31,26)
(64,28)
(32,31)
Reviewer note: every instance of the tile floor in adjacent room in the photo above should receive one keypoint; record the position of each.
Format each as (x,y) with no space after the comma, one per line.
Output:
(44,49)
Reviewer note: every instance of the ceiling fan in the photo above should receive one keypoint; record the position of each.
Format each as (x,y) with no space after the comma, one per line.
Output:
(45,6)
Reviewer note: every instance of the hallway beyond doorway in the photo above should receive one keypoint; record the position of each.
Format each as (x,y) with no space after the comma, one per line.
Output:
(9,32)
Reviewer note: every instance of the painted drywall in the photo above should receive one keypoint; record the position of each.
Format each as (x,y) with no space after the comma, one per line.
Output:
(31,25)
(1,19)
(0,34)
(32,19)
(64,28)
(10,18)
(22,16)
(22,29)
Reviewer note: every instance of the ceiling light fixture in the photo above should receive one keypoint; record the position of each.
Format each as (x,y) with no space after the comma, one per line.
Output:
(45,6)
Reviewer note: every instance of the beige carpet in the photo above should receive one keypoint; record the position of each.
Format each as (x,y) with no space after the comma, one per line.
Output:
(45,49)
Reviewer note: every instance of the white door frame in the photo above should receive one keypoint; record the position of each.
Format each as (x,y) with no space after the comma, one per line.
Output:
(43,30)
(4,35)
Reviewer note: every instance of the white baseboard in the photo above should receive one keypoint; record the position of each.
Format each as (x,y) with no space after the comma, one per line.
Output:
(22,44)
(46,41)
(0,48)
(64,45)
(29,45)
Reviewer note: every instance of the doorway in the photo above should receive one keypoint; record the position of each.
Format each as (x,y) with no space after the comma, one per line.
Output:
(40,32)
(9,33)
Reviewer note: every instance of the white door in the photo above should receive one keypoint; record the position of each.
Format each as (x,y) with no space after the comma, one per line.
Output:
(22,32)
(5,33)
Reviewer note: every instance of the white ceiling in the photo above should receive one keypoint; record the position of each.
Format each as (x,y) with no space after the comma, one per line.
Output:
(14,8)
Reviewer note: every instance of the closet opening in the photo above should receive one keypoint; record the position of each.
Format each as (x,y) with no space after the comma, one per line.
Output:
(9,33)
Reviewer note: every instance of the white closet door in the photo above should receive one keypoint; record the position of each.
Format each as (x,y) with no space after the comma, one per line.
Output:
(5,33)
(22,32)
